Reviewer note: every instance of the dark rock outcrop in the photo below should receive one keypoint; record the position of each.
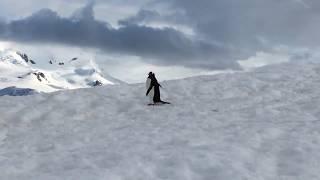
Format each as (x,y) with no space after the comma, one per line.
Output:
(40,76)
(25,57)
(73,59)
(32,62)
(97,83)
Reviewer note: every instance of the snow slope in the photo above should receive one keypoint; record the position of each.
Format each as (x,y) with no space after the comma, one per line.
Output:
(16,70)
(261,125)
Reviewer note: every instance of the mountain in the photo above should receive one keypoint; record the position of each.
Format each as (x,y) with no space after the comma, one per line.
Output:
(261,125)
(18,70)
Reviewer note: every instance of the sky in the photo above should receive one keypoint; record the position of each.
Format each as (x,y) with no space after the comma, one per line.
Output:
(174,38)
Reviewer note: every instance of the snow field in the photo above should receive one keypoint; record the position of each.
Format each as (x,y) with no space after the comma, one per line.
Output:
(261,125)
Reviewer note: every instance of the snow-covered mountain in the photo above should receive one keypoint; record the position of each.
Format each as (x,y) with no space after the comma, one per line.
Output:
(19,71)
(260,125)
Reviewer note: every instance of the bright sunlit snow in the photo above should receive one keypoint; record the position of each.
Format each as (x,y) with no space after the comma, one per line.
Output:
(260,125)
(19,70)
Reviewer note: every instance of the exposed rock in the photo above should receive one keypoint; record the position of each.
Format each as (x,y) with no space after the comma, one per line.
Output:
(23,56)
(40,76)
(32,62)
(97,83)
(73,59)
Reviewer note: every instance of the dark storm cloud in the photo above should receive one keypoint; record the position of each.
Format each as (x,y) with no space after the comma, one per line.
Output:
(224,30)
(2,27)
(142,15)
(164,46)
(147,16)
(254,24)
(245,26)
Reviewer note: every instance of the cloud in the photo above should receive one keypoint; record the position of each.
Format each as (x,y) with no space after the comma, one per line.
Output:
(165,46)
(2,27)
(147,16)
(244,27)
(202,34)
(86,13)
(243,23)
(142,16)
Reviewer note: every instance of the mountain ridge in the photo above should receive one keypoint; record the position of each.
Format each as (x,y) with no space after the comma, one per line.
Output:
(18,70)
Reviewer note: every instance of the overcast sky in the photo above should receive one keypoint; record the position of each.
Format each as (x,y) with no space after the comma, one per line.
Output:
(174,37)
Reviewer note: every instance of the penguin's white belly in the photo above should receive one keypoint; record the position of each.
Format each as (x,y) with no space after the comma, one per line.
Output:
(151,93)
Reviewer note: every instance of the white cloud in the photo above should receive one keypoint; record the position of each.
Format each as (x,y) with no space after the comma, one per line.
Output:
(5,45)
(262,59)
(279,54)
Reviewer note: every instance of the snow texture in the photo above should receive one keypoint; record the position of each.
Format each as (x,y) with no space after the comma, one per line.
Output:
(259,125)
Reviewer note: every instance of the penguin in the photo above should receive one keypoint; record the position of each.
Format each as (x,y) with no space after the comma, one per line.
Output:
(153,90)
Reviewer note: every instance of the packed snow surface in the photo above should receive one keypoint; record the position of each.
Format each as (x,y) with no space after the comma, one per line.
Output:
(260,125)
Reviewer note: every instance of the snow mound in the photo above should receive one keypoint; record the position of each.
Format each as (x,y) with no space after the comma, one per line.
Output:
(261,125)
(14,91)
(17,69)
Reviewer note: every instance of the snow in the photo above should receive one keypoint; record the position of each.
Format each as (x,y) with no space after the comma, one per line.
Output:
(259,125)
(16,72)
